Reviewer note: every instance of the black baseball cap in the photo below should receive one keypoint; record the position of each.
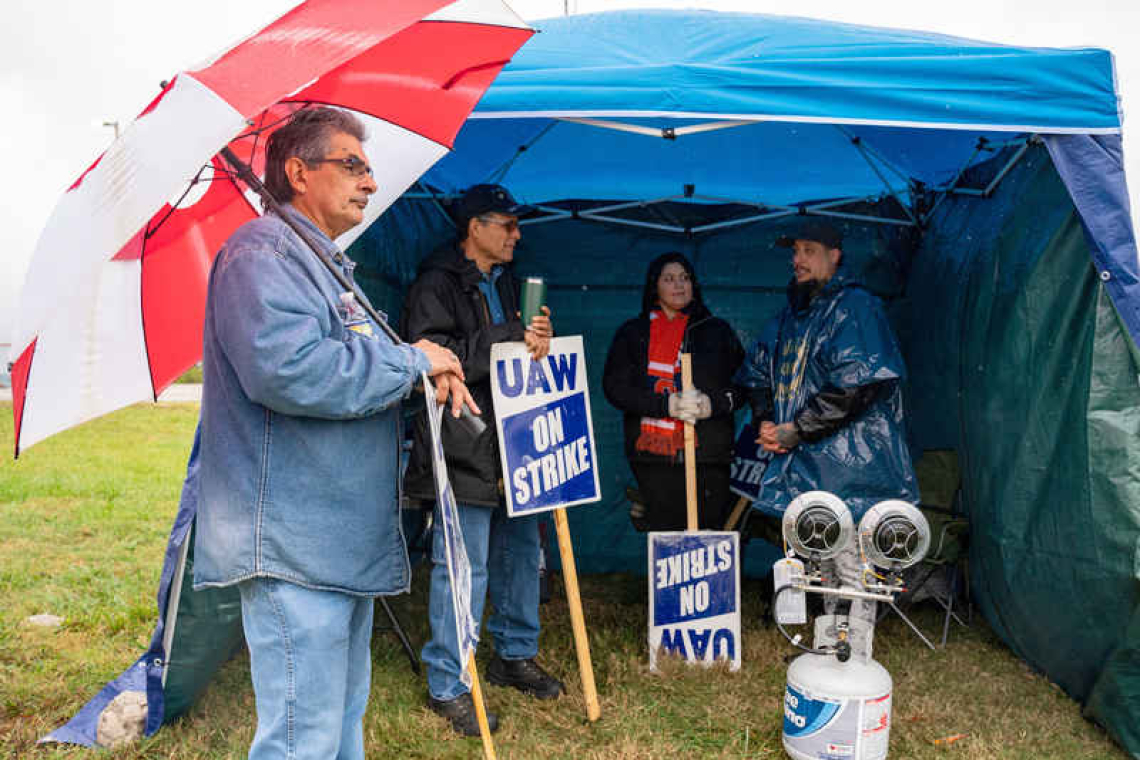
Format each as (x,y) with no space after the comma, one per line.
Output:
(814,230)
(488,199)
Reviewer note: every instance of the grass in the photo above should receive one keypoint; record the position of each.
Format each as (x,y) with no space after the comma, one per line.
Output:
(84,518)
(192,375)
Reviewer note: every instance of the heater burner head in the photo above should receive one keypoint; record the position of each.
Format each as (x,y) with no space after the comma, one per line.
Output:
(894,534)
(817,525)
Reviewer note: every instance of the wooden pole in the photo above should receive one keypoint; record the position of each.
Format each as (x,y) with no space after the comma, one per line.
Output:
(480,710)
(737,511)
(577,621)
(690,447)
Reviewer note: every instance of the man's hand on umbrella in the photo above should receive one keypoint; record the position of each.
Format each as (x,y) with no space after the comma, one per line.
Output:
(449,384)
(538,334)
(442,359)
(449,377)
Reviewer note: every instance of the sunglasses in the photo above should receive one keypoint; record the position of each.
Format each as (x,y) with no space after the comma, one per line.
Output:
(353,165)
(509,225)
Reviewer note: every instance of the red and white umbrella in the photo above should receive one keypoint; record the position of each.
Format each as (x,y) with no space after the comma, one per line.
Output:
(112,308)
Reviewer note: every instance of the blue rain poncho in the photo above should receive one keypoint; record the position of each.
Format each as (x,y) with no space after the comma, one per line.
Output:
(840,340)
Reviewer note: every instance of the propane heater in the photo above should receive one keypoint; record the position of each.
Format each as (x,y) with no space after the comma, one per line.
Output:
(837,703)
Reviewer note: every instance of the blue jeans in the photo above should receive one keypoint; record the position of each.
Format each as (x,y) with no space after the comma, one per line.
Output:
(504,561)
(311,666)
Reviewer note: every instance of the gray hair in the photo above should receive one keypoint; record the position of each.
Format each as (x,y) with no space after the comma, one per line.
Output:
(306,135)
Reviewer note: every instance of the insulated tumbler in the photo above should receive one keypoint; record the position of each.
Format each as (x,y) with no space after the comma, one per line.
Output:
(533,298)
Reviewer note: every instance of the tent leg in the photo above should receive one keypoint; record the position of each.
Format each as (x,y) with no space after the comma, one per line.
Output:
(950,605)
(403,637)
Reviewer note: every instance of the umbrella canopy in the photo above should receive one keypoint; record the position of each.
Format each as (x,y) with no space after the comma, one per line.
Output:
(112,308)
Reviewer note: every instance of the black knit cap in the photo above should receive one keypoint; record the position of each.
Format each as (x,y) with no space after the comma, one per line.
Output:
(814,230)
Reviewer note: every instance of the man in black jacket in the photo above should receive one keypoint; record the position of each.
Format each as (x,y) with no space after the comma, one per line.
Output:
(465,298)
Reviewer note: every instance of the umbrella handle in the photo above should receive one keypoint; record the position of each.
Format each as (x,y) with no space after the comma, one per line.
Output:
(474,425)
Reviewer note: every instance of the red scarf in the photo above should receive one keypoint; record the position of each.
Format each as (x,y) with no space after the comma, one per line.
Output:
(665,436)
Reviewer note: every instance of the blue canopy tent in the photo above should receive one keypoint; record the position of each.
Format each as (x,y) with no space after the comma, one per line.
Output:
(982,193)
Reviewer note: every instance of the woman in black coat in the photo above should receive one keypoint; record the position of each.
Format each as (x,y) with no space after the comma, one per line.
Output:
(643,379)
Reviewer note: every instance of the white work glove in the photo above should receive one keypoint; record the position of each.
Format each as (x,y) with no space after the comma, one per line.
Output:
(679,410)
(697,404)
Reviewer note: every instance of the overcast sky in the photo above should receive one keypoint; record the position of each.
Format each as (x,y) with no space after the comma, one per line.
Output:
(70,65)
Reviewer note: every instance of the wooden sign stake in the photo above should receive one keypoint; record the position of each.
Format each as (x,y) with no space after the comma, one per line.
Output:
(577,621)
(737,511)
(690,447)
(480,710)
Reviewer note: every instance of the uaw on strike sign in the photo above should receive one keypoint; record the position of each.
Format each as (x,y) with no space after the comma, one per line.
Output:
(546,436)
(694,592)
(749,459)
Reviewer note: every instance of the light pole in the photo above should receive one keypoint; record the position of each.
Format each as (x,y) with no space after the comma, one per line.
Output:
(113,125)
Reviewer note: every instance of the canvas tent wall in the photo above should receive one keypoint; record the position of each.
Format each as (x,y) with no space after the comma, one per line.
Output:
(982,192)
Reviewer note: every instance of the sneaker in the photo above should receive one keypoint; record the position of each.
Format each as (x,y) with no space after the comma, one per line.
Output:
(461,712)
(524,675)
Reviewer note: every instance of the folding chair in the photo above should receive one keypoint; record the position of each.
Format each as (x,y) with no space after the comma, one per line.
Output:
(938,576)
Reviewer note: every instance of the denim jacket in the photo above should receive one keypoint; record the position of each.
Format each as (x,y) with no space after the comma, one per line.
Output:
(300,423)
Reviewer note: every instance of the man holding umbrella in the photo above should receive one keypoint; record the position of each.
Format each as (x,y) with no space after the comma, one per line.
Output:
(300,444)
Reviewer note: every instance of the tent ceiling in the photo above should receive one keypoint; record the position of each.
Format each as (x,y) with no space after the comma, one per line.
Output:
(760,110)
(774,167)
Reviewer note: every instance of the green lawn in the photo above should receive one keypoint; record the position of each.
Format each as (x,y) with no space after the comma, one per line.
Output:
(84,518)
(192,375)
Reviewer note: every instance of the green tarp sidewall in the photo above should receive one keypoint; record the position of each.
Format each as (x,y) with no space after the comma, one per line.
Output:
(1048,416)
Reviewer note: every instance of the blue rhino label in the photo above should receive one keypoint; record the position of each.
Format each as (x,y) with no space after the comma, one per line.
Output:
(694,597)
(828,727)
(546,434)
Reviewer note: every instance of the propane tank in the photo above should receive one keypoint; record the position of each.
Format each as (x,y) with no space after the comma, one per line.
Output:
(836,710)
(837,702)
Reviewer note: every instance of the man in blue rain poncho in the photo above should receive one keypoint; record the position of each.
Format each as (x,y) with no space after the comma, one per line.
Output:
(824,380)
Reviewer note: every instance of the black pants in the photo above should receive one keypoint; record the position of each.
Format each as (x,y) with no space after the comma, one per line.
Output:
(662,487)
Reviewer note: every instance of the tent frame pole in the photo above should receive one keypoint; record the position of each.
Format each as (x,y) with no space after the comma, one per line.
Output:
(981,144)
(858,143)
(496,177)
(988,190)
(599,214)
(667,133)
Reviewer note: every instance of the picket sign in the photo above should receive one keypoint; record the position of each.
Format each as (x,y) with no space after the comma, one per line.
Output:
(694,596)
(546,446)
(694,578)
(458,566)
(749,460)
(546,435)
